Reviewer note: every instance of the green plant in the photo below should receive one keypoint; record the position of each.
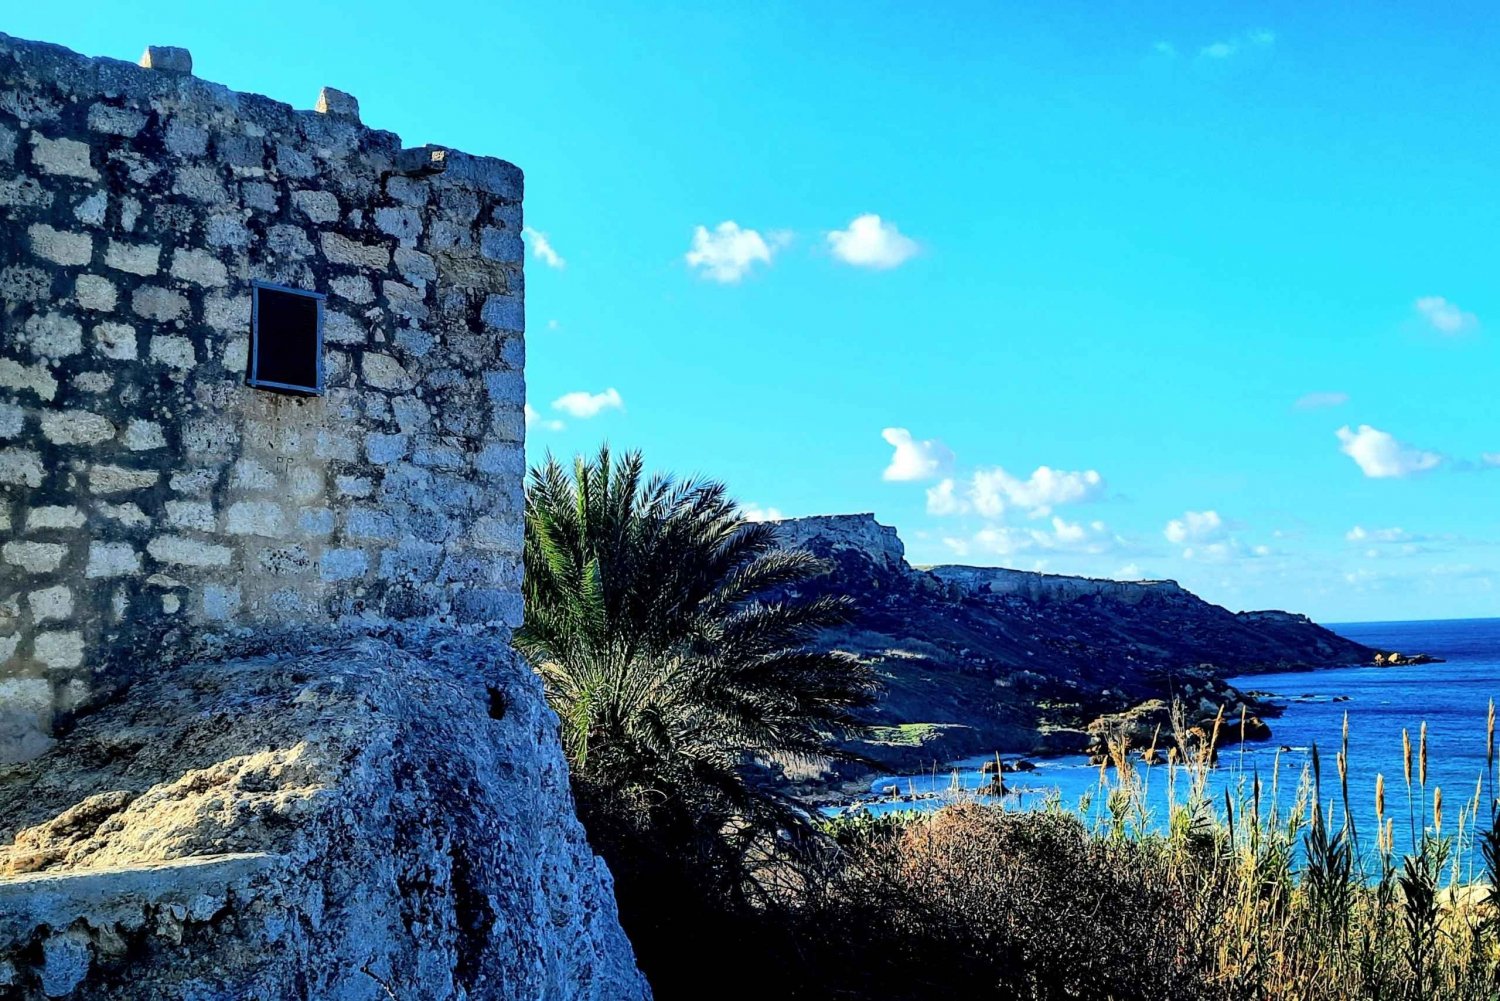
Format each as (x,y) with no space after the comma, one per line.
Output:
(663,627)
(676,651)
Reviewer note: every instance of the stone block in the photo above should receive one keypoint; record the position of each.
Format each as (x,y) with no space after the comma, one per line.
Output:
(76,427)
(95,292)
(343,564)
(169,58)
(255,518)
(12,419)
(174,352)
(33,378)
(64,516)
(143,436)
(384,372)
(52,335)
(366,256)
(196,515)
(21,467)
(115,340)
(59,651)
(159,304)
(336,102)
(112,559)
(138,259)
(505,312)
(199,267)
(114,121)
(108,479)
(91,210)
(181,551)
(34,557)
(61,246)
(382,449)
(186,139)
(63,157)
(319,206)
(51,603)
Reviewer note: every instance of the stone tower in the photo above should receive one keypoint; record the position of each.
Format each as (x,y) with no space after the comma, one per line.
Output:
(154,504)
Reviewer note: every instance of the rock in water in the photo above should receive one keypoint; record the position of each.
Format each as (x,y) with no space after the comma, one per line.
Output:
(388,819)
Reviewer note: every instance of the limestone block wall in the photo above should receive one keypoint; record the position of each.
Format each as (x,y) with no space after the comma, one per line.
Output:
(151,503)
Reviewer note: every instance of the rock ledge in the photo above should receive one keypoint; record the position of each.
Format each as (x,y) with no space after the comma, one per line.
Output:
(390,818)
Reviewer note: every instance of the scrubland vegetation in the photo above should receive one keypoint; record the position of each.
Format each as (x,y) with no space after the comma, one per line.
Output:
(673,645)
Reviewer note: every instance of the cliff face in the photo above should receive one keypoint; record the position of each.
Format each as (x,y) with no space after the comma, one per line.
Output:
(390,819)
(1009,660)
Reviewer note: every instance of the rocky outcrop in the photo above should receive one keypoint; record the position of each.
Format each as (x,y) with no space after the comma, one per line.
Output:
(1007,660)
(1216,720)
(1396,659)
(387,819)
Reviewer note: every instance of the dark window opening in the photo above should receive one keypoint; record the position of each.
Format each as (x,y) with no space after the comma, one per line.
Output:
(286,339)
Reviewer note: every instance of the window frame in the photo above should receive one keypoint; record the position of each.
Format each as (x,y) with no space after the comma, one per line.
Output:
(252,375)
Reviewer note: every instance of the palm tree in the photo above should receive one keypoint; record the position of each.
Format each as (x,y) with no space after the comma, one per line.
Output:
(665,629)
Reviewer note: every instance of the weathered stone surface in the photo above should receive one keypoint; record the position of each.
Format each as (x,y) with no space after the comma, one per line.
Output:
(51,603)
(112,559)
(59,247)
(65,157)
(76,427)
(342,250)
(356,789)
(170,58)
(34,557)
(21,466)
(109,479)
(138,259)
(135,208)
(54,516)
(336,102)
(52,335)
(181,551)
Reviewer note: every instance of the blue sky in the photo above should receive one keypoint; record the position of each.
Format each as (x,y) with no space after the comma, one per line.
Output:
(1163,253)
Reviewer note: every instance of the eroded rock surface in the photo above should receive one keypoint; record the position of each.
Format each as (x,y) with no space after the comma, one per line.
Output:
(388,819)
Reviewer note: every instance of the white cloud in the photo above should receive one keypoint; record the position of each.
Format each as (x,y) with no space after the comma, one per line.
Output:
(1195,527)
(534,418)
(1361,534)
(584,405)
(1258,39)
(1166,49)
(1224,552)
(871,242)
(915,460)
(754,512)
(1320,401)
(1445,317)
(1129,571)
(1092,537)
(1380,456)
(1490,458)
(1206,538)
(992,490)
(542,248)
(727,253)
(943,500)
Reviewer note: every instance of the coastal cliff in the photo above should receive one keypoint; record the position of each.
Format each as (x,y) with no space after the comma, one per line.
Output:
(984,659)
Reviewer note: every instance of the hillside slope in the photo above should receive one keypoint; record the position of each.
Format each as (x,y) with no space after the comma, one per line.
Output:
(986,659)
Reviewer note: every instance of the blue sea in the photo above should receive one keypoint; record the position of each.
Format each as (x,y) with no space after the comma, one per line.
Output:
(1452,698)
